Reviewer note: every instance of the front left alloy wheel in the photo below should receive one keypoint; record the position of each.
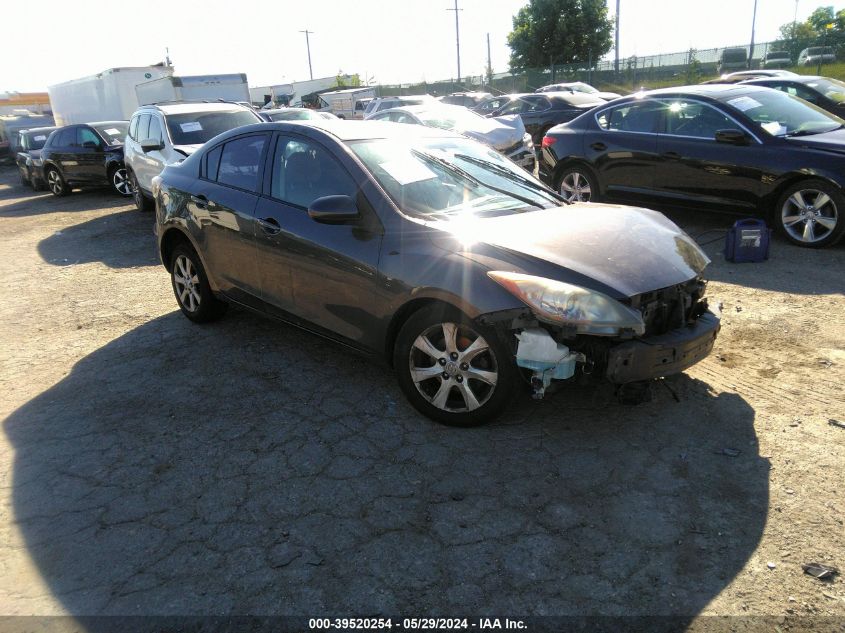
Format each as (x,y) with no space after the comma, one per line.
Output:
(190,285)
(120,181)
(810,214)
(451,369)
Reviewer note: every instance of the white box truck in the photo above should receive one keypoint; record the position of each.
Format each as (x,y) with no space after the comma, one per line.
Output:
(106,96)
(232,87)
(348,103)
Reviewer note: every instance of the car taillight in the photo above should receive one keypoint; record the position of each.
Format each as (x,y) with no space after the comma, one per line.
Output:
(548,140)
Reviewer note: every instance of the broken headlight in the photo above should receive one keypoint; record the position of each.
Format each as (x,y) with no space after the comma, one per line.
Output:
(588,311)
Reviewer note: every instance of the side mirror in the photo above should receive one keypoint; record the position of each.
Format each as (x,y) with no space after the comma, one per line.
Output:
(333,210)
(732,137)
(151,145)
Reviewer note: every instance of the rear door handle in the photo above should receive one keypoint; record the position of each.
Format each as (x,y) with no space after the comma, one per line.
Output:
(672,155)
(270,226)
(599,146)
(200,201)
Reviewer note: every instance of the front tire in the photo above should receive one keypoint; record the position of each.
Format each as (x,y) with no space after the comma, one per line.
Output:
(451,369)
(190,285)
(810,213)
(142,202)
(577,184)
(56,183)
(120,181)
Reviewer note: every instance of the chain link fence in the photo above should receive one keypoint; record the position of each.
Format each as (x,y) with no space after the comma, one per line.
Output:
(651,71)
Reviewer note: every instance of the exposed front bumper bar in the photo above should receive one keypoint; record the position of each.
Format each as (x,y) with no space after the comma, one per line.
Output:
(663,355)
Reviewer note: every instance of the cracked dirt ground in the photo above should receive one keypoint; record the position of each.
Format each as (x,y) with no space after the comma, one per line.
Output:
(151,466)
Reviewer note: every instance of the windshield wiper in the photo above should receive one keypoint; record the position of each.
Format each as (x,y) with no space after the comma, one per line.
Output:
(518,178)
(468,176)
(811,132)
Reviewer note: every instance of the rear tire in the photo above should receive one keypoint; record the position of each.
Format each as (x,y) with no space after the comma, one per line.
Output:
(190,285)
(56,183)
(811,213)
(142,202)
(576,183)
(451,369)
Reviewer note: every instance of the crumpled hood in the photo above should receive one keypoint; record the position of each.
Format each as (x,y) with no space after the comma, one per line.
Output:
(830,141)
(500,133)
(629,249)
(187,149)
(608,96)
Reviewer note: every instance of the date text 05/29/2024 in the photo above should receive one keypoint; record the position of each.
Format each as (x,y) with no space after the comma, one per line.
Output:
(422,624)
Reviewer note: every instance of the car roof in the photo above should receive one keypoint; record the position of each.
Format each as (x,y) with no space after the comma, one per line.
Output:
(93,123)
(438,106)
(186,107)
(714,91)
(344,130)
(802,79)
(49,128)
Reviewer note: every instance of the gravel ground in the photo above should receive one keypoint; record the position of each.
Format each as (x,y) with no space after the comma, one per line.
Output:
(152,466)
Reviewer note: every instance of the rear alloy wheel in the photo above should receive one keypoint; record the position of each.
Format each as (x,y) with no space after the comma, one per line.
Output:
(142,202)
(57,184)
(190,285)
(451,369)
(810,214)
(120,181)
(576,185)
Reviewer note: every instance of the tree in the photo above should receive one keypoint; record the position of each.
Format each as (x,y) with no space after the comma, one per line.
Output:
(549,32)
(814,32)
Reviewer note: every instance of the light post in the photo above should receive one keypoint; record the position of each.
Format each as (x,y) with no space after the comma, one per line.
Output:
(308,46)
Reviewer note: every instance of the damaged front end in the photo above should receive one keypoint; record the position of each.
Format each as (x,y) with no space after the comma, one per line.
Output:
(568,332)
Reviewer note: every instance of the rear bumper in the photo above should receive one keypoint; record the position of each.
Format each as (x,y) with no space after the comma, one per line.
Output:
(664,355)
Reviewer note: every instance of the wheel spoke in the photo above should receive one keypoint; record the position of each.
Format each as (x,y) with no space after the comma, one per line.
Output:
(585,189)
(469,397)
(442,395)
(183,294)
(565,186)
(195,280)
(196,296)
(426,347)
(797,199)
(450,336)
(828,223)
(821,200)
(477,347)
(809,233)
(488,377)
(180,264)
(789,220)
(425,373)
(576,180)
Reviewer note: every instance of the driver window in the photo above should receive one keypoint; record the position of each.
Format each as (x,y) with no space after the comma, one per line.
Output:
(695,120)
(303,171)
(86,135)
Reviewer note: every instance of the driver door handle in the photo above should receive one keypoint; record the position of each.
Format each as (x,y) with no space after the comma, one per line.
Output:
(599,146)
(270,226)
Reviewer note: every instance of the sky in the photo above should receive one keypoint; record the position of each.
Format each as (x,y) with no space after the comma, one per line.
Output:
(389,41)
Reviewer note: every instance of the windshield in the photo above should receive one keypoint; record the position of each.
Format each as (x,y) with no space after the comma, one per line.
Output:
(780,114)
(833,89)
(451,177)
(580,87)
(195,128)
(35,140)
(450,118)
(113,133)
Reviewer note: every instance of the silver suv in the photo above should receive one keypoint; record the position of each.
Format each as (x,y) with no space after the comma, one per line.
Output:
(167,133)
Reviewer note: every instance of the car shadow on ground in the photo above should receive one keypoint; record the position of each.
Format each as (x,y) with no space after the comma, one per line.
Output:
(248,467)
(18,200)
(779,273)
(119,240)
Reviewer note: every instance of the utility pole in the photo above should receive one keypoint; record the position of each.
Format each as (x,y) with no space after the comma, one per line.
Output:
(457,38)
(616,33)
(489,64)
(308,45)
(753,24)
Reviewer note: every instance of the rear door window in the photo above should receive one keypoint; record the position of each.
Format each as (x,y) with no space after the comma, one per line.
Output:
(240,162)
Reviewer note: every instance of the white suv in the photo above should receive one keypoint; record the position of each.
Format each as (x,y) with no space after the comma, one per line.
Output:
(166,133)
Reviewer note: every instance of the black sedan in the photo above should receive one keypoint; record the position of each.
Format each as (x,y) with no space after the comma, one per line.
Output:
(86,154)
(29,145)
(824,92)
(433,251)
(539,112)
(738,148)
